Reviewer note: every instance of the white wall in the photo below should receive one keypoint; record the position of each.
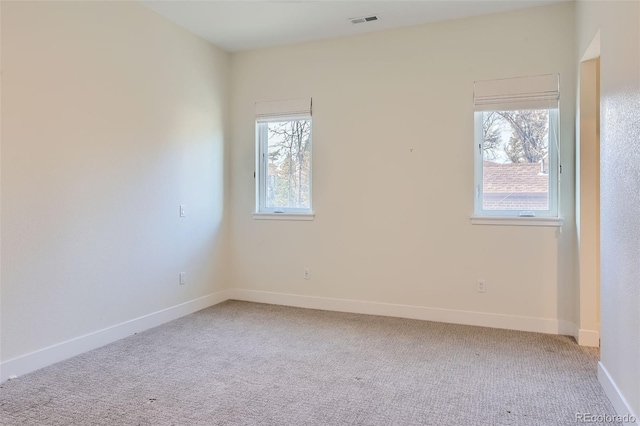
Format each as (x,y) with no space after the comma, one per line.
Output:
(393,170)
(111,118)
(588,202)
(619,25)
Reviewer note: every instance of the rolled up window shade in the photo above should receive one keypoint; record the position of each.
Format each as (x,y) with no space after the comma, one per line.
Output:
(287,108)
(536,92)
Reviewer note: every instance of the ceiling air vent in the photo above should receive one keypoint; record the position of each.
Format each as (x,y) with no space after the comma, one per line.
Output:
(363,19)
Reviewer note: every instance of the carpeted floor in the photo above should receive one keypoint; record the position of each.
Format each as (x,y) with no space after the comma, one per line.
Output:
(241,363)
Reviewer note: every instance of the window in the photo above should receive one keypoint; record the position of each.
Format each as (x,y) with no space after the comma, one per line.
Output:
(516,147)
(283,163)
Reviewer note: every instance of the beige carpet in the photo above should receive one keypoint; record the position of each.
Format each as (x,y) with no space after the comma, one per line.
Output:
(241,363)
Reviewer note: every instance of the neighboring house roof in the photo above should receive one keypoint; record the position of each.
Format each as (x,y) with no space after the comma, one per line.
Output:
(514,178)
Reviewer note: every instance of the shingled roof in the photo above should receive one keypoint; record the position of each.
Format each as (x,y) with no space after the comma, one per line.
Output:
(514,178)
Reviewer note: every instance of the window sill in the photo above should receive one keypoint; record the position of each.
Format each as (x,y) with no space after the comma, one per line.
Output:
(283,216)
(517,221)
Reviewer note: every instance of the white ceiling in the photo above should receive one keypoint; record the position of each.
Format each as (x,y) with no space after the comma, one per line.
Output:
(237,25)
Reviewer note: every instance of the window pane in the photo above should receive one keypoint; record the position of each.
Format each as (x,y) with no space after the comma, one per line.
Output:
(289,164)
(515,156)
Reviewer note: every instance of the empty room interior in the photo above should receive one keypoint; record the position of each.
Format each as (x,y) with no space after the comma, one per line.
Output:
(320,212)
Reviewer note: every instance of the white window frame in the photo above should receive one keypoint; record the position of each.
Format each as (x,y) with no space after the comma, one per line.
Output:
(548,217)
(523,93)
(262,167)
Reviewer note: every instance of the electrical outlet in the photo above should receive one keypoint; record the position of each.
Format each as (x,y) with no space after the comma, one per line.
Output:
(482,286)
(183,278)
(307,274)
(182,212)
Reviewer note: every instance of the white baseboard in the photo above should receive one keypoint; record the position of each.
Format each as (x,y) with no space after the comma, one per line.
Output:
(483,319)
(568,328)
(618,400)
(50,355)
(582,336)
(588,338)
(35,360)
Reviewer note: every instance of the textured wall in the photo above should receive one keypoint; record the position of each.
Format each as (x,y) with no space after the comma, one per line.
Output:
(619,25)
(393,169)
(111,118)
